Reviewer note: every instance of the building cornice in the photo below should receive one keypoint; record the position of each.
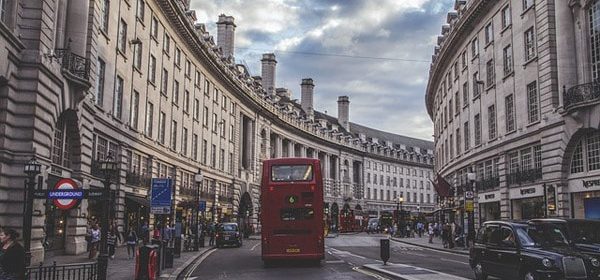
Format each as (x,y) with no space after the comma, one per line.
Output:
(461,32)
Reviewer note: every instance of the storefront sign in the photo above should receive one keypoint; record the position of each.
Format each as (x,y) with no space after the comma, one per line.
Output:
(584,184)
(591,183)
(527,191)
(488,197)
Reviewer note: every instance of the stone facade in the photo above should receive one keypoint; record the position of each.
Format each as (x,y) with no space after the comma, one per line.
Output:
(140,82)
(513,99)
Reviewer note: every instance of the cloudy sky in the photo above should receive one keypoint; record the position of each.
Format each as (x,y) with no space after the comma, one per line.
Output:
(377,52)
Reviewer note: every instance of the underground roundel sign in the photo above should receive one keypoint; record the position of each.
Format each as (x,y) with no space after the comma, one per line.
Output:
(68,186)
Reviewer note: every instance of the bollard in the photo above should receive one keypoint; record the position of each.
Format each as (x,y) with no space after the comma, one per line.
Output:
(384,250)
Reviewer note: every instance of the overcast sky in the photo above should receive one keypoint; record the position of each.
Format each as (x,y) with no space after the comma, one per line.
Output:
(377,52)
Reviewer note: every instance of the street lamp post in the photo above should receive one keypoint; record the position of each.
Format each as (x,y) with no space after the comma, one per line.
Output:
(32,169)
(399,211)
(469,196)
(108,167)
(198,178)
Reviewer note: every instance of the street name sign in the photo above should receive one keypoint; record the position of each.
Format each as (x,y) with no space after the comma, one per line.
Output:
(160,201)
(202,205)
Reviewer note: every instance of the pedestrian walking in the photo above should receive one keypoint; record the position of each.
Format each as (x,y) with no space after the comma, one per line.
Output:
(211,232)
(145,232)
(111,241)
(94,234)
(131,240)
(12,255)
(445,235)
(430,232)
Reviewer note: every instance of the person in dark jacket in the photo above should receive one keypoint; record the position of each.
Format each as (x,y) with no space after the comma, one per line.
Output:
(12,256)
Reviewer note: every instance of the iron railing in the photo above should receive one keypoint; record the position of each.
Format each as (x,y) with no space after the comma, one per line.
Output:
(581,94)
(530,175)
(77,271)
(488,184)
(77,65)
(135,179)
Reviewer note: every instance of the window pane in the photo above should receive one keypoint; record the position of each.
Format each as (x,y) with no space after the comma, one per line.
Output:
(577,160)
(593,151)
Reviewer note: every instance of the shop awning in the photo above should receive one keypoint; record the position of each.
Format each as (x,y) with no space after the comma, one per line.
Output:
(139,200)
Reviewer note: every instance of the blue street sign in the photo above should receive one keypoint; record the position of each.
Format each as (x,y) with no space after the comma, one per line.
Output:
(65,194)
(202,206)
(160,202)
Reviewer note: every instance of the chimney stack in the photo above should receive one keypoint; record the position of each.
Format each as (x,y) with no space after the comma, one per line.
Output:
(225,35)
(343,112)
(307,86)
(268,72)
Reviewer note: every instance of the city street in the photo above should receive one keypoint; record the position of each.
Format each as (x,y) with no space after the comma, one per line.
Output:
(347,257)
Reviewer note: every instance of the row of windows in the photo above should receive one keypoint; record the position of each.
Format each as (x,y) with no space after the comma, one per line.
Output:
(410,197)
(393,181)
(395,169)
(457,142)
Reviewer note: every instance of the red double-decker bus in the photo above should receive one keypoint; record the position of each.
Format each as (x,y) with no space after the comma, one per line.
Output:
(292,210)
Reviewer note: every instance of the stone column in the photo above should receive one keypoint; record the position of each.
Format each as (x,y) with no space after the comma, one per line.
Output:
(565,46)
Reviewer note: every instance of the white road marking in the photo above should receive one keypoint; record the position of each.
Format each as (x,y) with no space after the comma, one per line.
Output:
(345,253)
(198,262)
(254,247)
(335,261)
(368,273)
(449,260)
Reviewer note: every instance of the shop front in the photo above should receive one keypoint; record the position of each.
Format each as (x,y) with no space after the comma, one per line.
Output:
(137,213)
(585,197)
(527,202)
(489,206)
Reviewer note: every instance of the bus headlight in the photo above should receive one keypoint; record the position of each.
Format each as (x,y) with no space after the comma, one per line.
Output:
(595,262)
(547,262)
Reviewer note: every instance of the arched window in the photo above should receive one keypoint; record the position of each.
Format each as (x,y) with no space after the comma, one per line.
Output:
(586,156)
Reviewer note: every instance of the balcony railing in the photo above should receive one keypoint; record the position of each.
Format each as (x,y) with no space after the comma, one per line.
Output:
(581,94)
(77,65)
(488,184)
(530,175)
(135,179)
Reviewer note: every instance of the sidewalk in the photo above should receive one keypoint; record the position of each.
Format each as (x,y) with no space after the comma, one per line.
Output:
(436,245)
(123,268)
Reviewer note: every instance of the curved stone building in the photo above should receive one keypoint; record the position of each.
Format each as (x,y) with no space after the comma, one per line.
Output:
(142,82)
(514,97)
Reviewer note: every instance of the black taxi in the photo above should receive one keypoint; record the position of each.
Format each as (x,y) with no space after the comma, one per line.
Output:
(228,234)
(583,234)
(518,250)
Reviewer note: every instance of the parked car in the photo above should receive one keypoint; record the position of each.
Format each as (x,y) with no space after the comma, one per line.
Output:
(528,251)
(228,234)
(583,234)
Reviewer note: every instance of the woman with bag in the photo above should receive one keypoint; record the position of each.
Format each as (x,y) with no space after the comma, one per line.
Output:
(131,240)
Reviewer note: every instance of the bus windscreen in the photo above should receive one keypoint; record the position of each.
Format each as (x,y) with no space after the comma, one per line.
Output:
(289,173)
